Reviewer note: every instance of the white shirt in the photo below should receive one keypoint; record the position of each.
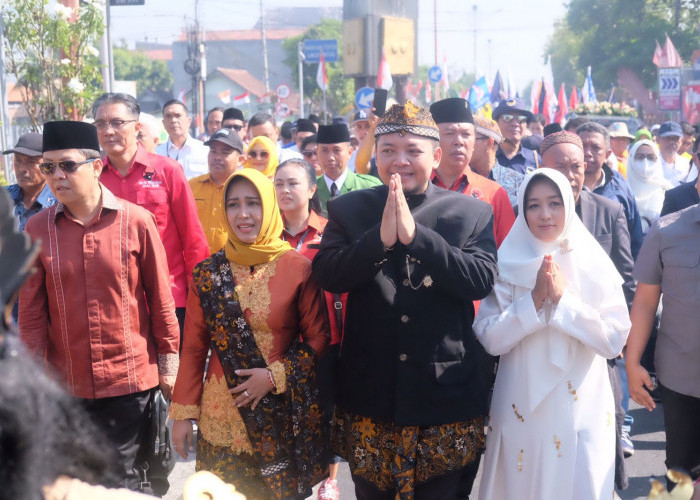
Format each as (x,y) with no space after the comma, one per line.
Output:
(679,171)
(338,182)
(192,155)
(287,154)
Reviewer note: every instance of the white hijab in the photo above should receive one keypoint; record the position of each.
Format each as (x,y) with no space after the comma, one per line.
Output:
(647,181)
(588,270)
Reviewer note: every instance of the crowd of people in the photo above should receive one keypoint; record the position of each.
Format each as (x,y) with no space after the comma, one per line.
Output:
(405,292)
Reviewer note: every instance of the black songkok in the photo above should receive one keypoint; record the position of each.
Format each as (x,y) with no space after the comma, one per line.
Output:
(333,134)
(304,125)
(233,114)
(451,110)
(69,135)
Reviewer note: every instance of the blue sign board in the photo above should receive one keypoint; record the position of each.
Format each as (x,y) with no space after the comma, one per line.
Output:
(435,74)
(312,50)
(364,98)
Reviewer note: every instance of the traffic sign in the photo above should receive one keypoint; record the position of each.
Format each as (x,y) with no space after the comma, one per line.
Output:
(282,109)
(283,91)
(435,74)
(313,48)
(364,98)
(670,89)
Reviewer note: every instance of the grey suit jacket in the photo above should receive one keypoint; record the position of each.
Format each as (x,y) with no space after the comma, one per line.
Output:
(606,221)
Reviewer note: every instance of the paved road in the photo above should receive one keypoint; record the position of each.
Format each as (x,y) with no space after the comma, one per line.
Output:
(647,434)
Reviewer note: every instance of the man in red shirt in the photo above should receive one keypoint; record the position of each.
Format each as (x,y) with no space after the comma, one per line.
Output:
(457,136)
(154,182)
(98,309)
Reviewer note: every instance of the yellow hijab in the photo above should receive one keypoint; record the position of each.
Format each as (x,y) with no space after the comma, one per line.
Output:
(268,246)
(272,160)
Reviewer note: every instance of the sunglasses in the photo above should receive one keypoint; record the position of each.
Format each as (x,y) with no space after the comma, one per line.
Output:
(519,119)
(309,154)
(237,128)
(68,166)
(640,157)
(261,154)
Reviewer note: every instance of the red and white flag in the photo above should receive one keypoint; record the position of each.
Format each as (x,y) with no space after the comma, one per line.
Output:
(182,97)
(668,57)
(242,99)
(445,82)
(225,96)
(428,93)
(384,80)
(562,108)
(321,76)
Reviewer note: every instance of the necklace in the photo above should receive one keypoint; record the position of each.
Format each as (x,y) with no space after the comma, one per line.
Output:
(426,281)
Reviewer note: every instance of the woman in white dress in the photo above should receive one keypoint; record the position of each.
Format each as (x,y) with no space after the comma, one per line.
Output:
(556,313)
(645,175)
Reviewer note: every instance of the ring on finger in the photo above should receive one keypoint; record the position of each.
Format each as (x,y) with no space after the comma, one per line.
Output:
(246,393)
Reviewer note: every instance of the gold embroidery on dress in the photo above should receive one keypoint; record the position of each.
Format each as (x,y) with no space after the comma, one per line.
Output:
(520,460)
(254,295)
(220,423)
(279,376)
(183,412)
(572,391)
(518,415)
(557,444)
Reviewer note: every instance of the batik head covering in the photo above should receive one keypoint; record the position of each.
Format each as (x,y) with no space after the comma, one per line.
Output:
(408,119)
(271,149)
(268,246)
(589,273)
(647,181)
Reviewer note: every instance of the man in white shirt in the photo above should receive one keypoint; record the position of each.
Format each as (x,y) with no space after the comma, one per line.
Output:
(677,169)
(264,124)
(180,146)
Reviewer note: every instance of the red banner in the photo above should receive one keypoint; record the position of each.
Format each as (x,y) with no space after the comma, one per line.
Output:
(691,103)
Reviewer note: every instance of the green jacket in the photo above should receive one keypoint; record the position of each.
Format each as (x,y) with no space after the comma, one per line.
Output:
(353,182)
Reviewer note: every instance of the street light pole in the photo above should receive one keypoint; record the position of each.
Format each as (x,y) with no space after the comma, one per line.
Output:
(300,56)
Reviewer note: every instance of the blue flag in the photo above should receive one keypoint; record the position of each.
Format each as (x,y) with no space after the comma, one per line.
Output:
(498,91)
(479,94)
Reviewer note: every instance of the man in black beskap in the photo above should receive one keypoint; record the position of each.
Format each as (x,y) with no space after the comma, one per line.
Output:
(413,380)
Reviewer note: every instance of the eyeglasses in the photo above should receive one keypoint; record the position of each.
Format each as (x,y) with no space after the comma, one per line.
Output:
(115,124)
(261,154)
(237,128)
(519,119)
(68,166)
(481,138)
(309,154)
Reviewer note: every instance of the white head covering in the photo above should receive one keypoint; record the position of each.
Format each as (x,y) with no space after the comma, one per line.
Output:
(647,181)
(588,271)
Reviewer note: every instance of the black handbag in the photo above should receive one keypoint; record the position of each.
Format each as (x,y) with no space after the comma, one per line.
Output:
(155,459)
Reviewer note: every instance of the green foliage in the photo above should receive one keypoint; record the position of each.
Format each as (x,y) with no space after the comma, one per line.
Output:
(149,74)
(340,95)
(610,34)
(53,57)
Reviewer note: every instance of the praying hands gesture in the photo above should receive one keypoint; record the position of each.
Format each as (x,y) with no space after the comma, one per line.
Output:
(550,283)
(397,221)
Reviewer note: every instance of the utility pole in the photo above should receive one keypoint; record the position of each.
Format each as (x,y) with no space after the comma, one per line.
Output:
(474,11)
(301,57)
(4,121)
(266,79)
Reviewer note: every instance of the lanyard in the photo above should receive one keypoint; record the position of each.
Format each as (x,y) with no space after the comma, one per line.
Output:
(301,240)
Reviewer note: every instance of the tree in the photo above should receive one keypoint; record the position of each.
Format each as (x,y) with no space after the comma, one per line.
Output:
(340,95)
(51,51)
(150,75)
(610,34)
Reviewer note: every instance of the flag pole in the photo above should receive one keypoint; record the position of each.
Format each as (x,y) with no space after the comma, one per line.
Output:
(325,112)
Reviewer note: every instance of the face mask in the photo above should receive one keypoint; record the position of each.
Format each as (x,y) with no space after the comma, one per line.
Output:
(644,168)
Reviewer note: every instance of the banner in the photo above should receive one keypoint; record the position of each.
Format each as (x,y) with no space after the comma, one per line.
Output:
(691,103)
